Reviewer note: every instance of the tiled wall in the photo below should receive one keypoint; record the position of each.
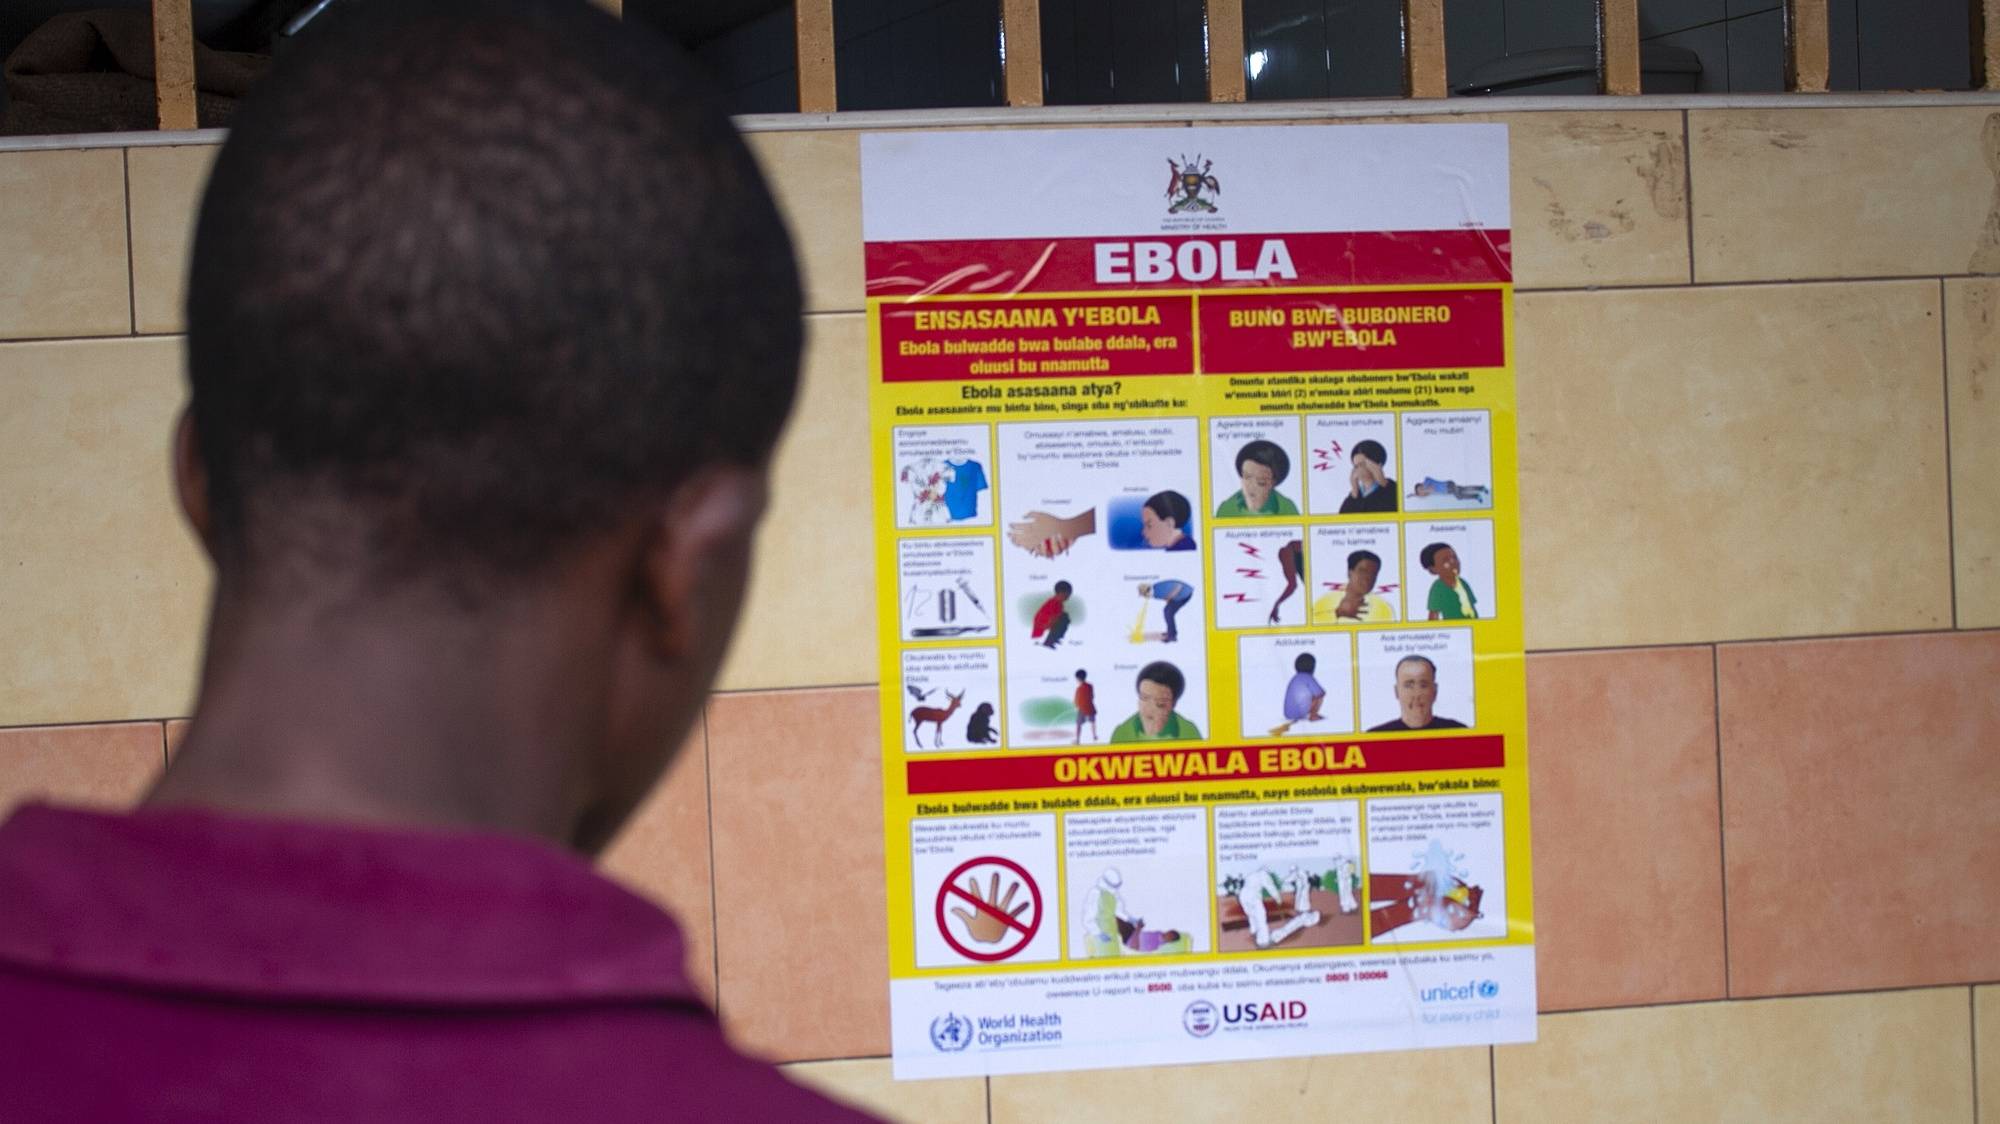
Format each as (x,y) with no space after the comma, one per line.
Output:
(1760,403)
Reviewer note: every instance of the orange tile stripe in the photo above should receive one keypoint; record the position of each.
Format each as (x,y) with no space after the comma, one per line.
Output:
(1805,46)
(1618,46)
(812,27)
(1226,82)
(173,63)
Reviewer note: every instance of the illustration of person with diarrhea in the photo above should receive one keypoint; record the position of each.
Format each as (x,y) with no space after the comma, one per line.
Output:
(1162,521)
(1451,596)
(1369,487)
(1416,695)
(1303,694)
(1160,686)
(1261,466)
(1051,620)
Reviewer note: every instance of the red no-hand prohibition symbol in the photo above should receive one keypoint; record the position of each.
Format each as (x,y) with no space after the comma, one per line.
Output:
(1019,933)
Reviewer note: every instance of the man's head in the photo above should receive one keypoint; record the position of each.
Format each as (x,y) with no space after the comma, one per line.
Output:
(1163,518)
(1081,675)
(1160,685)
(1371,451)
(1440,559)
(1305,664)
(1063,590)
(1363,567)
(1263,466)
(1416,690)
(486,294)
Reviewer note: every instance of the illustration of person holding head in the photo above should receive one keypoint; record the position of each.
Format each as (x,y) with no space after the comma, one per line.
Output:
(1416,695)
(1451,596)
(1261,466)
(1160,685)
(1369,487)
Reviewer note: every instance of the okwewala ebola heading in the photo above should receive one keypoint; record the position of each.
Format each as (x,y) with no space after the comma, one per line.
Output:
(1197,542)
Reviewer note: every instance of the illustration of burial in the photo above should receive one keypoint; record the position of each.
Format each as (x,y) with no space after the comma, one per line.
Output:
(1110,928)
(1310,903)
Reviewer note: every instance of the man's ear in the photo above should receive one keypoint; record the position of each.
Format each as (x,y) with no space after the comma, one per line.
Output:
(191,480)
(696,560)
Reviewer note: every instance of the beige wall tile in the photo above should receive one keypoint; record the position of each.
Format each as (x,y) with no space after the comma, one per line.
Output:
(663,854)
(106,765)
(1725,463)
(1432,1085)
(62,244)
(102,588)
(166,194)
(1600,198)
(1622,778)
(1972,358)
(796,778)
(817,179)
(1902,1055)
(1859,785)
(866,1084)
(810,618)
(1790,193)
(1986,1028)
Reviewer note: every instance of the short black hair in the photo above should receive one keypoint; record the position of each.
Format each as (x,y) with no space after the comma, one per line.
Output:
(1425,660)
(1305,662)
(469,279)
(1358,557)
(1429,554)
(1170,506)
(1082,674)
(1063,588)
(1268,454)
(1165,674)
(1373,450)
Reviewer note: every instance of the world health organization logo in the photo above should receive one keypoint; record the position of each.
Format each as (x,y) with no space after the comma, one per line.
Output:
(950,1033)
(1200,1018)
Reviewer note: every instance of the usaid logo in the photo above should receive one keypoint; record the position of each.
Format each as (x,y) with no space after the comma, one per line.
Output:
(1200,1019)
(951,1033)
(1461,993)
(1281,1011)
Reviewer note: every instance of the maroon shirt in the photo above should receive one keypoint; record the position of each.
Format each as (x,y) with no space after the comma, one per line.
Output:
(184,965)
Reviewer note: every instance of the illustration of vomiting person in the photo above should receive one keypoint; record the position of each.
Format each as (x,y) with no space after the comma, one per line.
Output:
(1176,595)
(1108,920)
(1260,466)
(1051,619)
(1251,898)
(1451,596)
(1416,698)
(1303,695)
(1160,687)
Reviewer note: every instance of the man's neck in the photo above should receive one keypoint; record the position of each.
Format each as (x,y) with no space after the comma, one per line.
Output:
(385,713)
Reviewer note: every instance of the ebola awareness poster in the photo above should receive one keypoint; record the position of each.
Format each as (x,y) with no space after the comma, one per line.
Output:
(1197,541)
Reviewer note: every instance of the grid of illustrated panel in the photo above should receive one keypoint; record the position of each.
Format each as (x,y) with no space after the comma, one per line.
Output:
(1352,550)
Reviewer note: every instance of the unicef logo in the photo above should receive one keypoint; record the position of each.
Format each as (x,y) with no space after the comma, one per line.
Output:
(950,1033)
(1488,989)
(1201,1018)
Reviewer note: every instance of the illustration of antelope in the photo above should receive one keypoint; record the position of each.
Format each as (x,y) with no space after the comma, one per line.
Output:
(936,716)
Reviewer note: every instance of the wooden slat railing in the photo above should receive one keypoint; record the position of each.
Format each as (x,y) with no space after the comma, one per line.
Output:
(173,63)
